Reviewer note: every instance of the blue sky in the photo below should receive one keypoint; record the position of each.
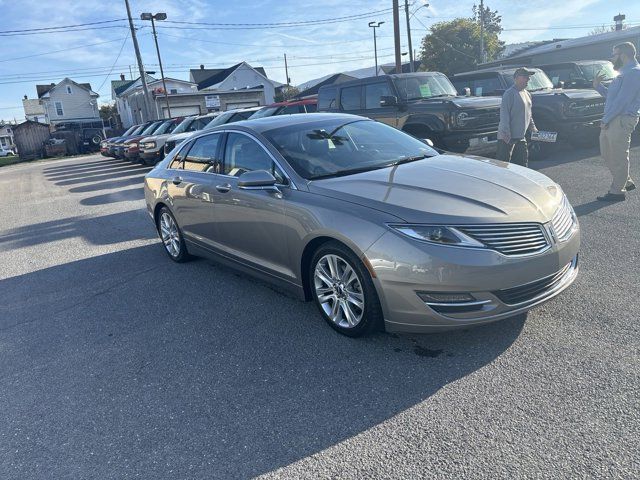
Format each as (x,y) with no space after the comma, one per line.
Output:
(312,51)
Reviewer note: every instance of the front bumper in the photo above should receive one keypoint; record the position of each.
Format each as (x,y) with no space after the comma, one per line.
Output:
(131,153)
(501,286)
(151,155)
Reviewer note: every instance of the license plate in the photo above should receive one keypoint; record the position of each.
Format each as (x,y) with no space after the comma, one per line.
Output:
(549,137)
(474,142)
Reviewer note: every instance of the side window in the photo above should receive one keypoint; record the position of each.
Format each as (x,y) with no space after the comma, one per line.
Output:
(559,74)
(350,98)
(374,92)
(243,154)
(485,86)
(201,157)
(311,107)
(327,98)
(176,163)
(291,109)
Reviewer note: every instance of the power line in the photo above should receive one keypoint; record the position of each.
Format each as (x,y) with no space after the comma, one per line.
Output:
(64,26)
(58,51)
(114,63)
(61,31)
(287,24)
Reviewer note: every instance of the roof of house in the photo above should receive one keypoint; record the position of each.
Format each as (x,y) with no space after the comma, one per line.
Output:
(331,80)
(29,122)
(119,86)
(44,89)
(615,36)
(200,75)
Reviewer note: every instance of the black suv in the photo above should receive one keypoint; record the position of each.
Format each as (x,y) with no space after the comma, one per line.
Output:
(574,114)
(424,105)
(578,74)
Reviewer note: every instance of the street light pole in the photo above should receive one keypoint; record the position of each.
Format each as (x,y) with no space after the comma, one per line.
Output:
(375,25)
(158,16)
(406,12)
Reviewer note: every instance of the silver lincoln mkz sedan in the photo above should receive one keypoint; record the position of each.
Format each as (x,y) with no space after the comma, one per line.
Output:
(375,226)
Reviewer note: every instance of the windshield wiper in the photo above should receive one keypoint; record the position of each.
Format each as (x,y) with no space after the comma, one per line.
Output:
(539,88)
(371,167)
(430,97)
(402,160)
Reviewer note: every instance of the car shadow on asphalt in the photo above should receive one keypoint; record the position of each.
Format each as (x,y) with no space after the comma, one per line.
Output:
(196,369)
(102,230)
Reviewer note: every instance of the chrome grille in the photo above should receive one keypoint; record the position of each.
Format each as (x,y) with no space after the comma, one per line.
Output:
(510,239)
(563,221)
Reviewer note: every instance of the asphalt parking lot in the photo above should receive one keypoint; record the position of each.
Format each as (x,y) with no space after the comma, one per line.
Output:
(117,363)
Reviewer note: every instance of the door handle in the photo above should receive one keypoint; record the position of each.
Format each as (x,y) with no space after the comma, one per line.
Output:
(224,188)
(176,180)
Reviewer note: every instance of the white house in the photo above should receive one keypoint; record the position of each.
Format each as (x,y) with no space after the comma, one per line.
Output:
(6,134)
(68,101)
(34,110)
(238,77)
(184,99)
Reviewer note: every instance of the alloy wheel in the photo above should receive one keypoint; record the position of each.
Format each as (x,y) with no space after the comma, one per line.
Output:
(170,234)
(339,291)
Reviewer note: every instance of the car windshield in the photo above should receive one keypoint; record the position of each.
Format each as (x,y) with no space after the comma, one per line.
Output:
(151,128)
(601,68)
(184,125)
(220,120)
(417,87)
(537,81)
(264,112)
(331,148)
(129,130)
(138,130)
(166,127)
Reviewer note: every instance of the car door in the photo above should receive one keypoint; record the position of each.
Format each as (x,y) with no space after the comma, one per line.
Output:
(249,223)
(373,93)
(196,174)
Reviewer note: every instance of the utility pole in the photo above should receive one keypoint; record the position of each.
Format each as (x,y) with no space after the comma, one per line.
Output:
(286,70)
(481,31)
(406,12)
(130,73)
(396,35)
(143,78)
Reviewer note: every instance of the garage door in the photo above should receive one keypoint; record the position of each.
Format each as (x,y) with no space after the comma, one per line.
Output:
(182,111)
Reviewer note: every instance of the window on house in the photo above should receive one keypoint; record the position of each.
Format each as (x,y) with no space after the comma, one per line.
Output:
(173,91)
(59,110)
(69,91)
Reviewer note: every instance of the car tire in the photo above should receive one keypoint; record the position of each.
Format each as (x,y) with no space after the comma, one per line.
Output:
(339,277)
(171,236)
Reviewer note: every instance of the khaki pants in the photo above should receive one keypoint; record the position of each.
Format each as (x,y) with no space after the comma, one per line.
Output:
(614,147)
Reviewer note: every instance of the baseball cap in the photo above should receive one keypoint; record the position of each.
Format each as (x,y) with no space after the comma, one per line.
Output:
(523,72)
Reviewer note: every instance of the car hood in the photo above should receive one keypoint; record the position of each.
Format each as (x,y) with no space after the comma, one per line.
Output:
(450,189)
(156,138)
(459,102)
(573,94)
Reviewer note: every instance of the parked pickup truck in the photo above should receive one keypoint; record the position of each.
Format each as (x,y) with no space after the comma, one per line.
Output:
(425,105)
(573,114)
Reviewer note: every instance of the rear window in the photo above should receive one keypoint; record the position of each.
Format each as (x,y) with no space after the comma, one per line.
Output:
(327,98)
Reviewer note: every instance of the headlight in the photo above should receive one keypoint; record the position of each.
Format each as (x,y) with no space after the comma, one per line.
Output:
(438,234)
(150,145)
(133,145)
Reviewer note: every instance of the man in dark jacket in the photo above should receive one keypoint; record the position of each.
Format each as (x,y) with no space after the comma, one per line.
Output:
(515,120)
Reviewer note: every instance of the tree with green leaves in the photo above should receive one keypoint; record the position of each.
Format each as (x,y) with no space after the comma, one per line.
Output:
(454,46)
(286,93)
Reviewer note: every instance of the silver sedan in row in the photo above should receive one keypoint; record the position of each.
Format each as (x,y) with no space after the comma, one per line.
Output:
(376,227)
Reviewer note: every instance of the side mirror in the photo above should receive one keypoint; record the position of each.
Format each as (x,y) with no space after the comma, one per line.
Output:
(560,84)
(428,141)
(467,92)
(257,180)
(388,101)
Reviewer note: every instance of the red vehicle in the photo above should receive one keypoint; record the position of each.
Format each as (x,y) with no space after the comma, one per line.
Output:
(309,105)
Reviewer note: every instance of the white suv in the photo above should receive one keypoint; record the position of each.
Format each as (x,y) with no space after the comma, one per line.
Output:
(5,151)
